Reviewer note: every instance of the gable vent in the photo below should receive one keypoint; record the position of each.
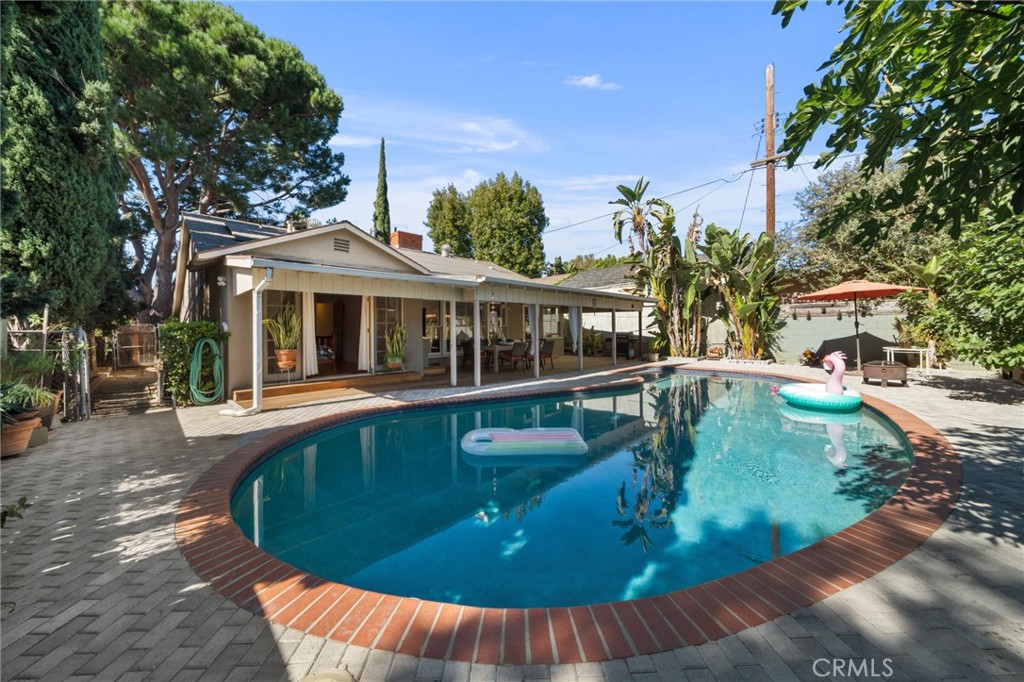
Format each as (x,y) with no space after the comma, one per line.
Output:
(341,244)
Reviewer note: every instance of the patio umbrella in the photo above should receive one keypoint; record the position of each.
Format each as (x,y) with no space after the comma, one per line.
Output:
(855,289)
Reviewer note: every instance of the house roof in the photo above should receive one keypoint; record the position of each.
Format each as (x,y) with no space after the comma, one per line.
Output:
(210,233)
(454,265)
(553,279)
(616,277)
(241,244)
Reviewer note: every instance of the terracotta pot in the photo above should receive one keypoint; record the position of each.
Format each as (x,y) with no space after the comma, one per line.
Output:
(16,436)
(286,359)
(25,416)
(395,365)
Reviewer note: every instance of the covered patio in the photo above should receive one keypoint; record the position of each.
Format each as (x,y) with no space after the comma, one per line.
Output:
(464,318)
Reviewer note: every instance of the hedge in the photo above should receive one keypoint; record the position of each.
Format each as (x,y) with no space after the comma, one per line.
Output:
(177,342)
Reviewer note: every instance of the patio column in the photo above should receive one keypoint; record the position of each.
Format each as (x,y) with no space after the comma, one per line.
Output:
(640,332)
(257,351)
(535,334)
(452,347)
(476,339)
(579,342)
(615,342)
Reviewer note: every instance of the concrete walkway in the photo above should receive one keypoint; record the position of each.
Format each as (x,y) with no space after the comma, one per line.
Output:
(94,588)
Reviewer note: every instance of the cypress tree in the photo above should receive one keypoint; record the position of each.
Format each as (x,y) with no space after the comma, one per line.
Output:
(381,209)
(60,227)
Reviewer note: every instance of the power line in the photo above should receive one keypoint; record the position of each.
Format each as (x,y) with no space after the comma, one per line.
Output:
(751,183)
(723,181)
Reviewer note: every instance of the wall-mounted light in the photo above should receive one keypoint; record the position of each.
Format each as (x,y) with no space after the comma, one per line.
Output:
(794,314)
(839,315)
(222,281)
(808,315)
(823,310)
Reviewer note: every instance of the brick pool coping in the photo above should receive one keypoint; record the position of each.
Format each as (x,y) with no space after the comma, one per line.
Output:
(221,555)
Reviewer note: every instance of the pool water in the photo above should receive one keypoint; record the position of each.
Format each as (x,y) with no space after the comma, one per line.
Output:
(688,478)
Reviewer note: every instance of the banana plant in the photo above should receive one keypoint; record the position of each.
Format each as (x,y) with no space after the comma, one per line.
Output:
(744,274)
(665,268)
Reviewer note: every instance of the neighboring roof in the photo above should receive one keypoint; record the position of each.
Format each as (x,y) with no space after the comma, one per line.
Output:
(455,265)
(616,277)
(553,279)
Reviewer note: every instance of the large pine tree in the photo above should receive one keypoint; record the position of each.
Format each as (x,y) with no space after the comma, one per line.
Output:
(381,208)
(60,241)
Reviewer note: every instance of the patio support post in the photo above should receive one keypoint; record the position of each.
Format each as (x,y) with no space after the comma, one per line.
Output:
(476,339)
(452,347)
(257,351)
(640,332)
(579,343)
(535,335)
(615,342)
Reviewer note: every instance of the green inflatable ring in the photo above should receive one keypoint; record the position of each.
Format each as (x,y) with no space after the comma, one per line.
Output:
(814,397)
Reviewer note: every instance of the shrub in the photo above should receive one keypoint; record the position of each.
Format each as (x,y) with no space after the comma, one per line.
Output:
(177,342)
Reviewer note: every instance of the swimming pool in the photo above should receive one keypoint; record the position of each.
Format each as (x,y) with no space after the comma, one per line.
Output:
(689,478)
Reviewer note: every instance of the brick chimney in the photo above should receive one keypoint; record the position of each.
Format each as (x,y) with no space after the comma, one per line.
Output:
(407,240)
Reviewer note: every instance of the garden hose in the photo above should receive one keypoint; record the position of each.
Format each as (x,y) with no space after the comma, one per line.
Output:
(199,397)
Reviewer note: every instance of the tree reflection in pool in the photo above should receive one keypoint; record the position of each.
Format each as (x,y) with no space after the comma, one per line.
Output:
(688,478)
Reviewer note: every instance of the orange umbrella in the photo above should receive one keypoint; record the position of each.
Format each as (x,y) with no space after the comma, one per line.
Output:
(852,290)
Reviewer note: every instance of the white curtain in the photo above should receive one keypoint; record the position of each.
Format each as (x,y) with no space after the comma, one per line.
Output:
(363,364)
(574,326)
(309,364)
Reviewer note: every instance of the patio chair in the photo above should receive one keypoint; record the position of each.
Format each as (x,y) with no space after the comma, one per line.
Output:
(514,356)
(547,348)
(467,355)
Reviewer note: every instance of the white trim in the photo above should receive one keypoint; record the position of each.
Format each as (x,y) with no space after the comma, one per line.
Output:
(256,262)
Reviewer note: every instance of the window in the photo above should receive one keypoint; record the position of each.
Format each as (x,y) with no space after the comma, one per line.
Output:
(273,303)
(386,315)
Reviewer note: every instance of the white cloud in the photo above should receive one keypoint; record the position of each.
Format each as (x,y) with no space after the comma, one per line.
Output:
(592,82)
(589,183)
(434,129)
(350,141)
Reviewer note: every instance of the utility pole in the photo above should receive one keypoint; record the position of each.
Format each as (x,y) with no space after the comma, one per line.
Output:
(770,157)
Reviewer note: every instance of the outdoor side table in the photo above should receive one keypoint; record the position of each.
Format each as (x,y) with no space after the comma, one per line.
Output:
(885,371)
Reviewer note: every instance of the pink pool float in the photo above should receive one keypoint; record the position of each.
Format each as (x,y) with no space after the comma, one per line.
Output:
(833,396)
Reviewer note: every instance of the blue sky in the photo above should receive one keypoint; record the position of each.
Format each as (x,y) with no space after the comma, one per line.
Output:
(576,97)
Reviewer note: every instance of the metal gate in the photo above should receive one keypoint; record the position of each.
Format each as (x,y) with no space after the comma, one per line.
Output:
(135,345)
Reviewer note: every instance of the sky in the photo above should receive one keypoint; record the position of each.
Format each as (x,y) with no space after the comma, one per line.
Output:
(576,97)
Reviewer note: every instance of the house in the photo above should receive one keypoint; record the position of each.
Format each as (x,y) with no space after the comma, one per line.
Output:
(618,279)
(350,290)
(615,279)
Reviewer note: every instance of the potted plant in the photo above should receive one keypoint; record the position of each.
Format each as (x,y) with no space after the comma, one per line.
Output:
(716,352)
(21,396)
(285,329)
(653,348)
(394,347)
(904,332)
(808,358)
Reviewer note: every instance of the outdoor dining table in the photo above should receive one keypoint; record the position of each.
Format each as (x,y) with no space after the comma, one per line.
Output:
(494,349)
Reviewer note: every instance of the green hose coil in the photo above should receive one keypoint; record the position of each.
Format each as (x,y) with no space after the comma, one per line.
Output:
(198,396)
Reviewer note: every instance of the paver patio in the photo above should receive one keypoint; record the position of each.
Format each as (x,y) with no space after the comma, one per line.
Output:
(94,587)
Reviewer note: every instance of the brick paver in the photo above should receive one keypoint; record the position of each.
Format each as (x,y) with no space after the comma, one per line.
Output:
(94,588)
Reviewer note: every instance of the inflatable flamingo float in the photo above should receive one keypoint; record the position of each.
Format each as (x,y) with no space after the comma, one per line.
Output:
(833,396)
